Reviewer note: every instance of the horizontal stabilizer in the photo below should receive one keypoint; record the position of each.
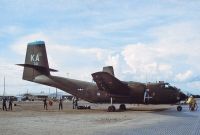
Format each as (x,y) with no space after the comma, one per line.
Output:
(40,68)
(107,82)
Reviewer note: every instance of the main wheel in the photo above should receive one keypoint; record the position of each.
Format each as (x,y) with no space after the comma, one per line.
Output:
(122,107)
(179,108)
(111,108)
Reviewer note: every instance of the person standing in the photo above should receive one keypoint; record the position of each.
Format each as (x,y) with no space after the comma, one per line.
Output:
(60,104)
(45,103)
(4,104)
(73,100)
(192,103)
(76,103)
(10,103)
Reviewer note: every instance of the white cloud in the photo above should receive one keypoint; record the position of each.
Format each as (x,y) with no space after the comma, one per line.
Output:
(13,78)
(164,68)
(20,45)
(137,55)
(184,76)
(10,30)
(194,85)
(174,50)
(113,61)
(146,60)
(97,52)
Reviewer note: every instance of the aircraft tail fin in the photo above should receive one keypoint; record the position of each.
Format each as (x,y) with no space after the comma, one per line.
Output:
(36,62)
(109,69)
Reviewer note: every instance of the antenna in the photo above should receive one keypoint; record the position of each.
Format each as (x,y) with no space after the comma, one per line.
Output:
(146,77)
(56,93)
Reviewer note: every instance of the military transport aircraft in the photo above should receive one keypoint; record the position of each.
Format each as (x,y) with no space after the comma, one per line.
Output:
(107,89)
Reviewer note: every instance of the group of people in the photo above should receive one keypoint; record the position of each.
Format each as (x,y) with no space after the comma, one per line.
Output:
(51,103)
(74,101)
(10,104)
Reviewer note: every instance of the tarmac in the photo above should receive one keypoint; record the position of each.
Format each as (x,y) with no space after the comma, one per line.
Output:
(29,118)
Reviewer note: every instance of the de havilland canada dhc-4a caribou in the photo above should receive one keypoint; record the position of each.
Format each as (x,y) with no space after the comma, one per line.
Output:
(106,89)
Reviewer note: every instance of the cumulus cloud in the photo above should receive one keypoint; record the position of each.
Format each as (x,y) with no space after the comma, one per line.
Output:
(146,60)
(113,61)
(173,56)
(184,76)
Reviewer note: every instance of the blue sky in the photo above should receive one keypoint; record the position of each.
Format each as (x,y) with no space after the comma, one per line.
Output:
(144,40)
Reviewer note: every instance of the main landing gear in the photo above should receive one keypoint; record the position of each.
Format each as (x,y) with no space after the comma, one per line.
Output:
(112,108)
(122,107)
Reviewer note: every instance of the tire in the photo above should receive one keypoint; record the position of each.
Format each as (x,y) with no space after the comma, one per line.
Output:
(111,108)
(192,108)
(179,108)
(122,107)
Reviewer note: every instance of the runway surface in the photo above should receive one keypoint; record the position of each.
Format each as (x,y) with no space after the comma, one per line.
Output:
(30,119)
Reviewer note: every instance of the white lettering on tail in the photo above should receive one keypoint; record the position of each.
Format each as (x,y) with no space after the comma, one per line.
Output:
(35,59)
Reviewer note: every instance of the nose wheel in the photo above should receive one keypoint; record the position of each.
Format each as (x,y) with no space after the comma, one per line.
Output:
(179,108)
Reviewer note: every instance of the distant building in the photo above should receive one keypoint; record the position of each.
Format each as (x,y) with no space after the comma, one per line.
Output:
(33,96)
(42,95)
(19,98)
(60,95)
(8,96)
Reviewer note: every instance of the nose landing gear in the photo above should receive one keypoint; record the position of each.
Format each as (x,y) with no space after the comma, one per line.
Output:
(179,108)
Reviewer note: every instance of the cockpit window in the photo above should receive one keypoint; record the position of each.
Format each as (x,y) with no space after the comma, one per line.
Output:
(167,85)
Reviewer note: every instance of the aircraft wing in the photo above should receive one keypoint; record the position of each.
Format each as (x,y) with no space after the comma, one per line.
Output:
(107,82)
